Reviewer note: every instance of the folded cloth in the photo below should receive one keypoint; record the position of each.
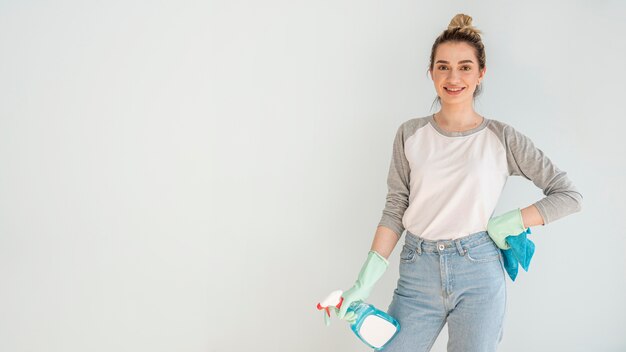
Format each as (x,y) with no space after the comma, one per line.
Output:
(520,253)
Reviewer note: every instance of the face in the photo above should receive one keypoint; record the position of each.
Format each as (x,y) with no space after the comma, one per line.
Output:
(456,67)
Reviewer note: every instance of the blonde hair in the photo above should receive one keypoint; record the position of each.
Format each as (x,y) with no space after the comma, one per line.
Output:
(464,23)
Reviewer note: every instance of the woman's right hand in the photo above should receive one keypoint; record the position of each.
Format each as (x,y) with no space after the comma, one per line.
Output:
(350,317)
(372,270)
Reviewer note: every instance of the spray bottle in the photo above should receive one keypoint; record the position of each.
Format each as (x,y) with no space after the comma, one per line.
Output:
(371,325)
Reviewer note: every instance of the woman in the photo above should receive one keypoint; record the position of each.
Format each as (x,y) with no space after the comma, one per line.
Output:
(446,174)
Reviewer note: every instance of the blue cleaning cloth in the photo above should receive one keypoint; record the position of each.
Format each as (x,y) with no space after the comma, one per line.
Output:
(520,253)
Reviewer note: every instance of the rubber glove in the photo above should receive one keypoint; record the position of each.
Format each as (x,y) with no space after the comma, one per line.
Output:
(326,318)
(372,270)
(349,317)
(507,224)
(326,305)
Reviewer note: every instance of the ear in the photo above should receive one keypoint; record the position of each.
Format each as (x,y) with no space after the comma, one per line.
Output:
(482,73)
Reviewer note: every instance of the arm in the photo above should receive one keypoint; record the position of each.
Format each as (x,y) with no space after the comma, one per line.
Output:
(561,197)
(385,241)
(389,229)
(531,216)
(397,200)
(526,160)
(374,267)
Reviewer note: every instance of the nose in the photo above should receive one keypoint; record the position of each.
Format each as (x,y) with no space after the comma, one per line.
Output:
(453,76)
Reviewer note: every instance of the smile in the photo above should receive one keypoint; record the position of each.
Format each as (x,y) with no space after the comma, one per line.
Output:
(454,91)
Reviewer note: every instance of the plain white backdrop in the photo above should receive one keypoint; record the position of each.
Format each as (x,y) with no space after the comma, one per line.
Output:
(196,176)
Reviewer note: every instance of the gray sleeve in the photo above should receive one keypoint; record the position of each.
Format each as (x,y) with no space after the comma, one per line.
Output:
(524,159)
(398,186)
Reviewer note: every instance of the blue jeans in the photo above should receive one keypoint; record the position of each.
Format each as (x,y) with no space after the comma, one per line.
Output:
(461,282)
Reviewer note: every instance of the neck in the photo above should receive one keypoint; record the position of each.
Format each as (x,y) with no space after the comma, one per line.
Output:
(457,117)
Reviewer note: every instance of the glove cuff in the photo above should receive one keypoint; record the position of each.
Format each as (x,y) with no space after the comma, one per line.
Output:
(515,220)
(373,268)
(379,256)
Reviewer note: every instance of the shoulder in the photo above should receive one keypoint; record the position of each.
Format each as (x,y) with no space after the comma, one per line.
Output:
(500,126)
(408,127)
(505,131)
(512,139)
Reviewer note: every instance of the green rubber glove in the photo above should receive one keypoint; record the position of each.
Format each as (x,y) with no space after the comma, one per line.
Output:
(349,317)
(507,224)
(326,318)
(372,270)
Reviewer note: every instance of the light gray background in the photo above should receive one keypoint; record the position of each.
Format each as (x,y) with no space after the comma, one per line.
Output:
(196,176)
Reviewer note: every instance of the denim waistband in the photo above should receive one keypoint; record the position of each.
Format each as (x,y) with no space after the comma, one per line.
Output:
(446,246)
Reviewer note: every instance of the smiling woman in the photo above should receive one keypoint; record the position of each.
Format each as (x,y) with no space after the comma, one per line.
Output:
(446,175)
(457,67)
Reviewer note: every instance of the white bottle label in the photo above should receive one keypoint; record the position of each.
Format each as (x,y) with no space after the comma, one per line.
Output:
(376,330)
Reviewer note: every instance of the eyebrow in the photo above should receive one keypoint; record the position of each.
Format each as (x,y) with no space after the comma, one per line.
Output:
(460,62)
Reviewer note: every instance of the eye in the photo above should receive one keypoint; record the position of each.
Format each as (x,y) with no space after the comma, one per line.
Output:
(440,67)
(467,67)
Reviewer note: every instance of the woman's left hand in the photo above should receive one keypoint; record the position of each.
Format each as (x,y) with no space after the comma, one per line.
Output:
(507,224)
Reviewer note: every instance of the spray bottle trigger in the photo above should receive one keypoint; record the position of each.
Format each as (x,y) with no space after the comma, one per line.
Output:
(339,304)
(330,300)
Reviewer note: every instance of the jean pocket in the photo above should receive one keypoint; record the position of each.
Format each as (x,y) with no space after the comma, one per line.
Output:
(407,255)
(484,252)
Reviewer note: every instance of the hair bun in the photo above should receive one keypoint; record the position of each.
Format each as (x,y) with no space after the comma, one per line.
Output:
(463,23)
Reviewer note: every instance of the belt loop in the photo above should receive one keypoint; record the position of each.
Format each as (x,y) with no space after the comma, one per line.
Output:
(419,245)
(459,247)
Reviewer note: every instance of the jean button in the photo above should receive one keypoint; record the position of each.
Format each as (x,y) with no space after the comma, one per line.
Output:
(441,247)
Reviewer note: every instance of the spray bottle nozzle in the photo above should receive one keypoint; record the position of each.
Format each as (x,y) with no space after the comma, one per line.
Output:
(334,299)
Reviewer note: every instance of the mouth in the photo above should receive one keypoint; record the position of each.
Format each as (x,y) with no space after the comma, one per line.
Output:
(454,90)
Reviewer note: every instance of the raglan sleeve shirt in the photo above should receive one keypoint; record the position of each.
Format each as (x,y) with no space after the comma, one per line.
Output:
(446,185)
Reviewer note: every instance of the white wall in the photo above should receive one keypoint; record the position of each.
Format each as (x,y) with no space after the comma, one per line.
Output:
(196,176)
